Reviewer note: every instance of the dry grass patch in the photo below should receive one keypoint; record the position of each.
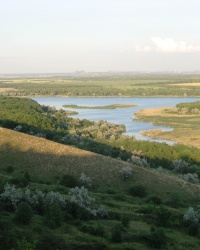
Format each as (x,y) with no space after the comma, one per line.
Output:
(184,136)
(2,90)
(188,84)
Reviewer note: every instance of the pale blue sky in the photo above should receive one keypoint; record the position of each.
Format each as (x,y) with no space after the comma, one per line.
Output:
(99,35)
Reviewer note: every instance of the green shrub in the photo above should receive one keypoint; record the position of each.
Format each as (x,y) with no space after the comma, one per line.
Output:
(157,237)
(2,206)
(25,245)
(96,244)
(69,181)
(175,201)
(97,230)
(54,216)
(116,233)
(78,212)
(27,176)
(24,213)
(9,169)
(155,200)
(50,241)
(19,182)
(120,197)
(138,190)
(111,191)
(125,220)
(193,229)
(163,216)
(114,215)
(7,236)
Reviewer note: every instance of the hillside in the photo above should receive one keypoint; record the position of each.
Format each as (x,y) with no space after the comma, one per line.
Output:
(49,159)
(143,212)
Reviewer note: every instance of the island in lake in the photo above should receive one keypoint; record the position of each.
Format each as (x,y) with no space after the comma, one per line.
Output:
(112,106)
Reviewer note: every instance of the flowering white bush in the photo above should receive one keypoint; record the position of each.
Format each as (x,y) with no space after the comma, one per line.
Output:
(193,178)
(12,195)
(55,198)
(191,216)
(81,197)
(18,128)
(126,172)
(85,180)
(38,200)
(139,161)
(178,165)
(102,212)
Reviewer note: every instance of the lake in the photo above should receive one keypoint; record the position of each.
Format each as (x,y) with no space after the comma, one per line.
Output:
(118,116)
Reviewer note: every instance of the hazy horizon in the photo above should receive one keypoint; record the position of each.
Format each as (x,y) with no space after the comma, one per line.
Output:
(99,36)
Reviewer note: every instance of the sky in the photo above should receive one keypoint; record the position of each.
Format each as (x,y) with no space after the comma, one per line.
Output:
(61,36)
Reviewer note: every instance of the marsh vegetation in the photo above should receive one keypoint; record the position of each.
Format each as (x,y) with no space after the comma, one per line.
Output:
(184,119)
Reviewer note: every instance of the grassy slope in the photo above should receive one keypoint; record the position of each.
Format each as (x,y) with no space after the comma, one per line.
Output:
(46,160)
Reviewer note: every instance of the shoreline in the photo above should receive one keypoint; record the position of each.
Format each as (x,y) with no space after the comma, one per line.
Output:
(63,96)
(182,132)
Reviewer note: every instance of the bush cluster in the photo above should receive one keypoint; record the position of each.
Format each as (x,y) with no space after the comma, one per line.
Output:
(138,190)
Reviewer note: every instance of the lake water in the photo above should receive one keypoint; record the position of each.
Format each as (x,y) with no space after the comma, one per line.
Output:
(118,116)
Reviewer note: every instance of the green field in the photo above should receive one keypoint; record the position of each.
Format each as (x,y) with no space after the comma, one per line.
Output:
(137,85)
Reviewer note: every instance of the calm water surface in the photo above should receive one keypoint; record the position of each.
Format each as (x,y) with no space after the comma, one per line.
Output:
(119,116)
